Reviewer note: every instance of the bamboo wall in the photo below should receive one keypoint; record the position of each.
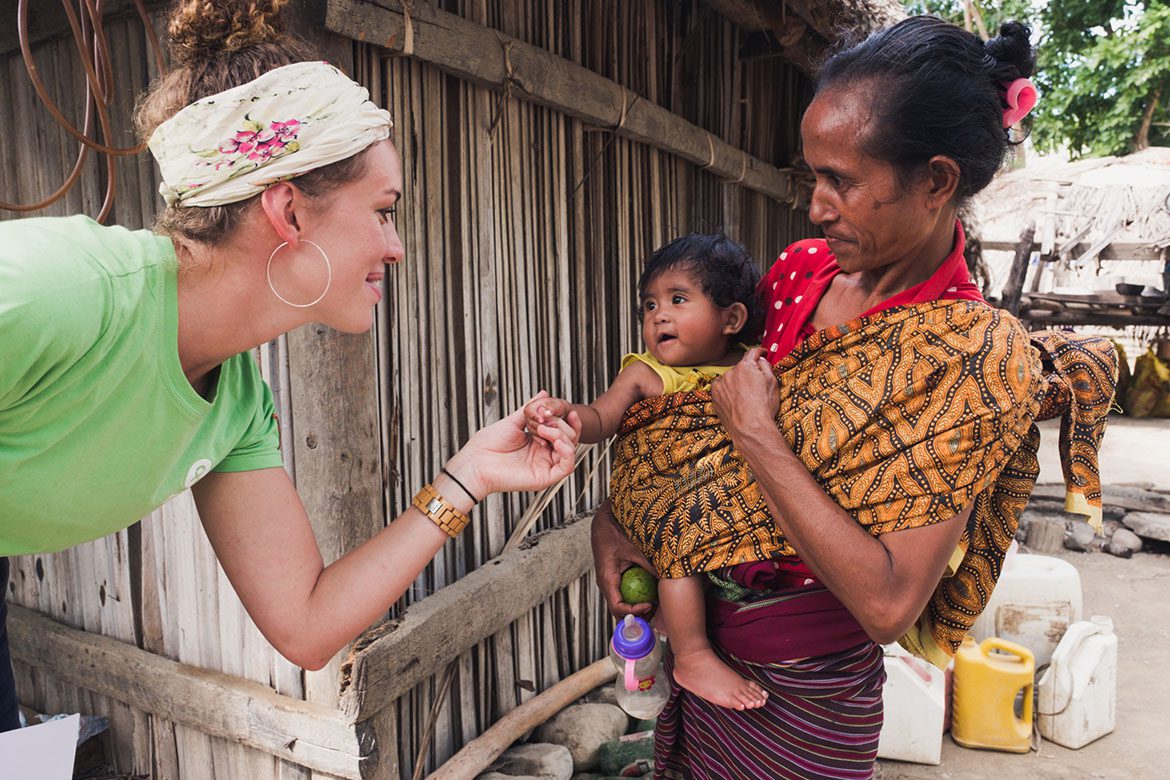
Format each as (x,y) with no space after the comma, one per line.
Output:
(524,232)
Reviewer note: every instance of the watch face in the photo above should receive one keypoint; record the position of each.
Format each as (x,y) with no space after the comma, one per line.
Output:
(434,505)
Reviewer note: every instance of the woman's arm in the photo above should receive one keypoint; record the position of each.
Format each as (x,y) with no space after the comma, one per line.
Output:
(262,536)
(885,581)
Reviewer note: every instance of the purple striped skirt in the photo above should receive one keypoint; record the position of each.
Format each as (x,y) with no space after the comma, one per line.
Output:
(822,721)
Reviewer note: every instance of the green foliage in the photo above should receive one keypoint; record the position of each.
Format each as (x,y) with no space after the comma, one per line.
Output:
(1103,69)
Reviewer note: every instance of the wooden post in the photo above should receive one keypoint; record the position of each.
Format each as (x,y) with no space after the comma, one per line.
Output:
(336,445)
(1015,281)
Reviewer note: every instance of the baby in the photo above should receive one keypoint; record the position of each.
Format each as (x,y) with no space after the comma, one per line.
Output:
(699,303)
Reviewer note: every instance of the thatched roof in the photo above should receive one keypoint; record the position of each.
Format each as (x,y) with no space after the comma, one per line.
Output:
(1117,202)
(801,30)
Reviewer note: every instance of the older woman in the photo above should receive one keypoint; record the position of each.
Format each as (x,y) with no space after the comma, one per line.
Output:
(124,372)
(906,447)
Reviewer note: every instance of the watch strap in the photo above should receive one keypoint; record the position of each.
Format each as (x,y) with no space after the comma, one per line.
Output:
(440,511)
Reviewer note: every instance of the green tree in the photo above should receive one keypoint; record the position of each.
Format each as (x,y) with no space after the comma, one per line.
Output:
(1103,69)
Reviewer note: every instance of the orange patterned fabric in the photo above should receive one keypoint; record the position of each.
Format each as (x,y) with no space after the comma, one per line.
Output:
(1081,375)
(1078,383)
(904,418)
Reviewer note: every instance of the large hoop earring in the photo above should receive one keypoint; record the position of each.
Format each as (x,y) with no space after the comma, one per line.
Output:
(328,279)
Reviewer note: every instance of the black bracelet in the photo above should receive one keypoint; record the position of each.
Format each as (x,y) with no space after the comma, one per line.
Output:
(462,487)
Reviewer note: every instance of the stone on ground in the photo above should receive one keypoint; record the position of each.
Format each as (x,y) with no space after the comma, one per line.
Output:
(1124,543)
(1081,536)
(583,728)
(604,694)
(1149,525)
(536,759)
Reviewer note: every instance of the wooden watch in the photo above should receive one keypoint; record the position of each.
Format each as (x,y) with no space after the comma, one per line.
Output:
(440,511)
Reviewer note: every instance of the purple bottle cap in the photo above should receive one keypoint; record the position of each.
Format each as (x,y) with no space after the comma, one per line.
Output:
(633,639)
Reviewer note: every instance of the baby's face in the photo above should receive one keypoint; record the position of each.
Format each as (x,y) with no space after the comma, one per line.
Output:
(680,324)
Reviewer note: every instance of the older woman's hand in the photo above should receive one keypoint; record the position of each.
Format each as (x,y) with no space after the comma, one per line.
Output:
(613,553)
(748,395)
(504,456)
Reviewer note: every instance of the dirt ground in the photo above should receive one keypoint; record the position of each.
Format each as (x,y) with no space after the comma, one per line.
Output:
(1136,594)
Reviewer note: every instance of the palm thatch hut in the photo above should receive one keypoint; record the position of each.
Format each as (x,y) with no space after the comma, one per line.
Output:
(548,147)
(1076,231)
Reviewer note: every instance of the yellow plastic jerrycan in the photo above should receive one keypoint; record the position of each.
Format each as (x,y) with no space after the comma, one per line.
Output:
(985,687)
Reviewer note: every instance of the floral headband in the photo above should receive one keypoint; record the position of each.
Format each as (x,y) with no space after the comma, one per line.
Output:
(232,145)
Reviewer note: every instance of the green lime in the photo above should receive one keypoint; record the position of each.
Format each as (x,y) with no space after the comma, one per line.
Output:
(639,586)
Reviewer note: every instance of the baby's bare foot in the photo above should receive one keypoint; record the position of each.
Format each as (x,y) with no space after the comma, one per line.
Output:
(703,674)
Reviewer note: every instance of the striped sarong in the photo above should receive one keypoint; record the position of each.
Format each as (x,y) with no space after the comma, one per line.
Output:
(821,720)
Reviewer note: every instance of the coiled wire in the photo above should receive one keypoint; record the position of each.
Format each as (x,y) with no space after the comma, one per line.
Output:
(93,48)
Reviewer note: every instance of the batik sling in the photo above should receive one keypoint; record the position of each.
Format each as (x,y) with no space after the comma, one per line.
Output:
(904,417)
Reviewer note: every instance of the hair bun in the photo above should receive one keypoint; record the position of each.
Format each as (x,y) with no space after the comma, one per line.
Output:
(199,29)
(1012,51)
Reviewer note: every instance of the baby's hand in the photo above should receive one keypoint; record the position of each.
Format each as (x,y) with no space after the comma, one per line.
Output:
(540,410)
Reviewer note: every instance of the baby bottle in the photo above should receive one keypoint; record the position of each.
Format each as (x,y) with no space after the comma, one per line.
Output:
(642,685)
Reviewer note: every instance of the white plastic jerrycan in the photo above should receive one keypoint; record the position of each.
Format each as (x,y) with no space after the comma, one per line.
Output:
(1035,601)
(914,697)
(1077,694)
(642,686)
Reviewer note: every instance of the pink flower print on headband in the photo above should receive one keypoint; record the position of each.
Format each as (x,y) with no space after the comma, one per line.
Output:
(255,144)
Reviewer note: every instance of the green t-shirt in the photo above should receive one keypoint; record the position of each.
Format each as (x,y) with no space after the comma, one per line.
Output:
(98,424)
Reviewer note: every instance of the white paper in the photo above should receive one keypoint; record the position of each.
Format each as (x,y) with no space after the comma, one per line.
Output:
(45,751)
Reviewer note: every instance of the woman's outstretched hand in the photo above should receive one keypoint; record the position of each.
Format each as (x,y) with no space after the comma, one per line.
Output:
(504,456)
(747,395)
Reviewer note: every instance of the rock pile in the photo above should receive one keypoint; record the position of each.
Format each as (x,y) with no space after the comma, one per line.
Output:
(592,740)
(1135,517)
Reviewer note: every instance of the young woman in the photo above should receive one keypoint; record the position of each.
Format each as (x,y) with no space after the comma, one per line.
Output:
(124,373)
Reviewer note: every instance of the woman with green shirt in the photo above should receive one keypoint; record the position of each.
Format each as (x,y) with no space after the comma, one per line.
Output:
(124,372)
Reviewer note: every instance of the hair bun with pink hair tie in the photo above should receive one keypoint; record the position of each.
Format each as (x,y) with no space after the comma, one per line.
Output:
(1021,99)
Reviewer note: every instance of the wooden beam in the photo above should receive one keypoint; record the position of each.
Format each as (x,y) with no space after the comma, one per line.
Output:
(337,454)
(799,43)
(1102,300)
(1118,250)
(480,752)
(399,655)
(311,735)
(484,56)
(864,16)
(1122,496)
(1088,317)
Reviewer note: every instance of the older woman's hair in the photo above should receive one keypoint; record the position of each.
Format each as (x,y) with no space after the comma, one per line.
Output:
(216,45)
(935,89)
